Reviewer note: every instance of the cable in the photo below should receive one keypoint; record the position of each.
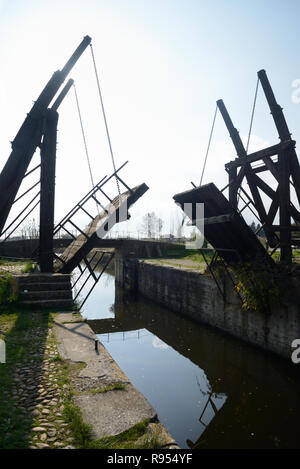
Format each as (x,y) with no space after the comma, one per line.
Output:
(83,136)
(250,127)
(252,115)
(104,117)
(209,142)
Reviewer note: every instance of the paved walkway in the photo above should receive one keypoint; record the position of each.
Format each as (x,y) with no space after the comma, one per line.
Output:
(109,413)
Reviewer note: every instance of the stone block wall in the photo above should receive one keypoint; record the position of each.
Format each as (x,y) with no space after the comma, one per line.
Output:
(196,296)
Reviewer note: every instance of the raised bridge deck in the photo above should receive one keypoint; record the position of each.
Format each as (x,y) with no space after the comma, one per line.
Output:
(99,226)
(224,228)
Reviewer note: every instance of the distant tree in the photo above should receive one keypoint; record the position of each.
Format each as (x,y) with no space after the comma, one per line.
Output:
(30,229)
(253,227)
(151,224)
(160,224)
(257,229)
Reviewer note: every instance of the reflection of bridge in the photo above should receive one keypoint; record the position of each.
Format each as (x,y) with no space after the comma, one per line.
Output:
(133,316)
(226,362)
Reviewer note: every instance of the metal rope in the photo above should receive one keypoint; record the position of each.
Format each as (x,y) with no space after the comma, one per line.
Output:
(85,144)
(104,117)
(83,136)
(208,146)
(252,115)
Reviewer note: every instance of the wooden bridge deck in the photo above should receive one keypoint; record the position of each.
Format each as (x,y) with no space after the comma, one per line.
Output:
(224,228)
(98,227)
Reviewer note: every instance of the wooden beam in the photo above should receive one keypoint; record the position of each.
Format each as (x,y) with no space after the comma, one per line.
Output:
(48,163)
(233,187)
(258,155)
(212,220)
(284,212)
(234,134)
(264,187)
(256,195)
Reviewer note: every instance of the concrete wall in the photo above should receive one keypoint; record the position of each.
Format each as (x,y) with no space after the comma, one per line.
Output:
(196,296)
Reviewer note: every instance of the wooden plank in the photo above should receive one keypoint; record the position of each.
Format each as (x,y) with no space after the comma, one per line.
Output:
(83,244)
(233,239)
(258,155)
(212,220)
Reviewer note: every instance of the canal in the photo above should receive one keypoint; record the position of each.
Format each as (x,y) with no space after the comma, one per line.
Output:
(209,389)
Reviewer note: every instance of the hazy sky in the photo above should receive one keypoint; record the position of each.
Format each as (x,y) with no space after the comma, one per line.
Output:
(163,64)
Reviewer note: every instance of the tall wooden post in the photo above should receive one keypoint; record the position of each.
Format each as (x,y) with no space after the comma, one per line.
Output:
(232,196)
(288,166)
(48,160)
(284,205)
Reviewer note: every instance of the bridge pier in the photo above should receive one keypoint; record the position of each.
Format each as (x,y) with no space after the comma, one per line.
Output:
(126,266)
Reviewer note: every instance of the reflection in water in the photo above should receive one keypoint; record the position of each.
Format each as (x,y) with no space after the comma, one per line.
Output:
(210,390)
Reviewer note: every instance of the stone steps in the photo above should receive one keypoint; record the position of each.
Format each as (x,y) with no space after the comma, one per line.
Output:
(45,304)
(45,286)
(45,290)
(46,295)
(43,278)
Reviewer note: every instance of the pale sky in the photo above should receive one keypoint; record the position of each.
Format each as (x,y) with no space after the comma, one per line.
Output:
(162,64)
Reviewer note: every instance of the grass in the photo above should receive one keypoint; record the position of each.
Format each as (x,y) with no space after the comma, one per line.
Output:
(81,432)
(295,254)
(7,294)
(110,387)
(180,251)
(11,261)
(134,438)
(29,267)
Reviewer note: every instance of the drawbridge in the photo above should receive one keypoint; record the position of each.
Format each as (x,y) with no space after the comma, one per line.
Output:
(103,205)
(275,205)
(225,229)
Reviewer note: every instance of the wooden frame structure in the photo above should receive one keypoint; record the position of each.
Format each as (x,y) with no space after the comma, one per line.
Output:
(39,129)
(282,162)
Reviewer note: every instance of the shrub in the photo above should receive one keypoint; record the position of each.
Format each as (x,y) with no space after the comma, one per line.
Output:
(7,294)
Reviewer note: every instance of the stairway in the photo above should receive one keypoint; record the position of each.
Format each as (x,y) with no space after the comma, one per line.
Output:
(44,291)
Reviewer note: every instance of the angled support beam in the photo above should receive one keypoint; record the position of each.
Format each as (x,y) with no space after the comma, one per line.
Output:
(256,196)
(235,179)
(233,132)
(282,128)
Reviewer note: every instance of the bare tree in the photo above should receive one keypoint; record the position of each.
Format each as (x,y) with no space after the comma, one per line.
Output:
(151,224)
(30,229)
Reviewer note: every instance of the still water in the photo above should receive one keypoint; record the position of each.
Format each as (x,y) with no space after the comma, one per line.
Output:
(209,389)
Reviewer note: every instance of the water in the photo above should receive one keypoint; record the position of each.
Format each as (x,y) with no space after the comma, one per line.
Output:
(209,389)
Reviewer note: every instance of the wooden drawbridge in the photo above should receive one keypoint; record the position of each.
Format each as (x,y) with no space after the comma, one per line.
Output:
(116,211)
(225,229)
